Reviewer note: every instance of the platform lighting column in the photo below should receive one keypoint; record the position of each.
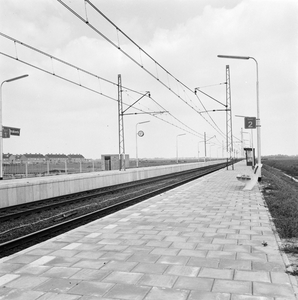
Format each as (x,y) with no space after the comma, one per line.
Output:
(258,106)
(177,145)
(1,125)
(137,159)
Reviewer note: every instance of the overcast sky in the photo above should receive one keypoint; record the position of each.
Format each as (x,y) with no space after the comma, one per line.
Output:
(182,37)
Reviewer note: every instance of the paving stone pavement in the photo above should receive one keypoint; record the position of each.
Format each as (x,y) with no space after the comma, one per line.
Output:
(201,241)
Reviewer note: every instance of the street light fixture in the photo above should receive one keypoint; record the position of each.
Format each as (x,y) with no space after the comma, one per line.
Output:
(137,159)
(258,108)
(1,127)
(177,145)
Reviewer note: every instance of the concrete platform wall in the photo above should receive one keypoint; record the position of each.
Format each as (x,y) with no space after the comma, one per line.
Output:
(14,192)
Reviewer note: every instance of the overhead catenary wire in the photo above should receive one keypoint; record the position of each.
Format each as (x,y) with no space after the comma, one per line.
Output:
(194,132)
(207,111)
(53,73)
(104,95)
(87,22)
(217,127)
(147,54)
(63,62)
(58,76)
(211,85)
(125,53)
(197,89)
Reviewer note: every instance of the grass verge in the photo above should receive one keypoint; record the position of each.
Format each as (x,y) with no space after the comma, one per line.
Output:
(281,196)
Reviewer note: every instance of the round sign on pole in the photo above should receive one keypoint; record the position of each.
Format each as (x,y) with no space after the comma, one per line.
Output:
(141,133)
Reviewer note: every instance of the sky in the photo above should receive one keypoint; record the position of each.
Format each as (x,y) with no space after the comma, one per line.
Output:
(74,53)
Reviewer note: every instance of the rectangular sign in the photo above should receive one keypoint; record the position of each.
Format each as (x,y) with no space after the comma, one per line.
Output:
(12,130)
(250,123)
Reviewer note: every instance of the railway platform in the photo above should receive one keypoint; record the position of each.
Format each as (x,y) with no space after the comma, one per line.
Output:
(25,190)
(206,240)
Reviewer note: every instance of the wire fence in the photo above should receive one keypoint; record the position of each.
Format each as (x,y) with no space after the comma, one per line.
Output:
(47,168)
(26,169)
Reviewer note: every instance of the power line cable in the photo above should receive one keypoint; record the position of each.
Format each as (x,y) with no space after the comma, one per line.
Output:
(87,22)
(94,91)
(17,58)
(62,61)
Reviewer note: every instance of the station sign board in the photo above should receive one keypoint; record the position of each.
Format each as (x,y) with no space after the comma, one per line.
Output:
(250,122)
(8,131)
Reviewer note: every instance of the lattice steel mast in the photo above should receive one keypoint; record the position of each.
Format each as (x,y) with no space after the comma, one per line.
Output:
(229,130)
(121,127)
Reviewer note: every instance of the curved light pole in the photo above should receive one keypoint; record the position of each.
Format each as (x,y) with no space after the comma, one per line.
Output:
(258,107)
(177,145)
(137,159)
(1,127)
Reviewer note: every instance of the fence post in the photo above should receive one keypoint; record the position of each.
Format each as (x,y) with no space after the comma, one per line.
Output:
(26,169)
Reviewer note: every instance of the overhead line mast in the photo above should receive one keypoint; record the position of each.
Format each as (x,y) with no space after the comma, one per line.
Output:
(121,126)
(229,130)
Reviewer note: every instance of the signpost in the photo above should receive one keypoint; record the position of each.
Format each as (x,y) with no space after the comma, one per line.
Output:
(250,122)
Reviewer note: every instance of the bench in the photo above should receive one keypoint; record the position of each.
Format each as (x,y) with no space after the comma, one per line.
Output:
(250,180)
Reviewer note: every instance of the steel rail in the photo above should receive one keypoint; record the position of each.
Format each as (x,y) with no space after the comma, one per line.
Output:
(7,248)
(16,211)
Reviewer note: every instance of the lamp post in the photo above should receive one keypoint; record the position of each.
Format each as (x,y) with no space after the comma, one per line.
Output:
(177,145)
(137,159)
(1,127)
(258,107)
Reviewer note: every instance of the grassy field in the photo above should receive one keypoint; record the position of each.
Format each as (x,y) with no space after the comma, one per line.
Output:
(289,165)
(281,196)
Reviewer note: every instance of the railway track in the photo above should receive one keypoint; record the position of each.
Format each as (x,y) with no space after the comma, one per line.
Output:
(60,214)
